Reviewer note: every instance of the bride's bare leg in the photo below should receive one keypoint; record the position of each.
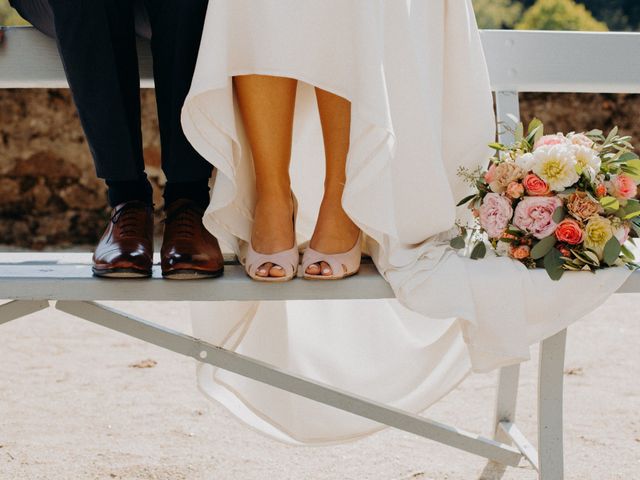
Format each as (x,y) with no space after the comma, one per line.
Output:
(267,106)
(334,232)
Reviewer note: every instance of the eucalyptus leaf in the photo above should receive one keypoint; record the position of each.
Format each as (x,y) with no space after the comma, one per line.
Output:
(479,251)
(611,251)
(553,264)
(458,243)
(543,247)
(625,157)
(558,215)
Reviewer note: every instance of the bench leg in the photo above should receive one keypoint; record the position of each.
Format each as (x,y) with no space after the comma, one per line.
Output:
(20,308)
(550,384)
(506,400)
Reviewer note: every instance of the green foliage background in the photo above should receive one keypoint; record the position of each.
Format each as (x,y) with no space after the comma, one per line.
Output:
(594,15)
(8,15)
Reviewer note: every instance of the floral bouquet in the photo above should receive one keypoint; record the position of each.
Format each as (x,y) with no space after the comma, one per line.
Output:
(559,202)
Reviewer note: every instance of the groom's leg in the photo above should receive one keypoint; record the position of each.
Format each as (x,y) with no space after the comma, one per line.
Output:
(96,40)
(189,251)
(176,27)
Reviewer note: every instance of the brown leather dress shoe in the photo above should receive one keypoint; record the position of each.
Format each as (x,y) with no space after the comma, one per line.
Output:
(126,247)
(189,251)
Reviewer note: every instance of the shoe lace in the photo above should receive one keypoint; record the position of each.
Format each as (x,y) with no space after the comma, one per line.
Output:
(186,217)
(125,217)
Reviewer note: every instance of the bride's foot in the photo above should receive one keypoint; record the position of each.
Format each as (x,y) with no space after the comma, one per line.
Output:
(335,233)
(273,231)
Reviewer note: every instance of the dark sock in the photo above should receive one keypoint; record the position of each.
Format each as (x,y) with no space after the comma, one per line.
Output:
(121,191)
(197,191)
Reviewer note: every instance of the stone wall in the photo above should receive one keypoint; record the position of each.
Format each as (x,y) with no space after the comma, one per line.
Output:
(49,195)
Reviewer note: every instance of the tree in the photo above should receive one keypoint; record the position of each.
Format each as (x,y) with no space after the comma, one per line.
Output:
(559,15)
(497,13)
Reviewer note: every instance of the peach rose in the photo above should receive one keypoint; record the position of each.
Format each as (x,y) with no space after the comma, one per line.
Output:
(570,231)
(622,187)
(535,186)
(504,174)
(535,215)
(515,190)
(582,206)
(495,214)
(520,252)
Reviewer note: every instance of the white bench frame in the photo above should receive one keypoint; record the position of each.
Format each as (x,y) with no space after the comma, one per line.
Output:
(518,61)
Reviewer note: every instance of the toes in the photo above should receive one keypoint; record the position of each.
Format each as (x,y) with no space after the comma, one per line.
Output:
(313,269)
(277,271)
(325,269)
(264,269)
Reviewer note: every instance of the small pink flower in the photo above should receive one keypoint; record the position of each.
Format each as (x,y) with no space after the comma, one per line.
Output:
(570,231)
(515,190)
(520,252)
(549,140)
(535,215)
(535,186)
(495,214)
(622,187)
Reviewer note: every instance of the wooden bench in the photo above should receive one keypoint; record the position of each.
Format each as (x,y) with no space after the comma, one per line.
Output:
(518,61)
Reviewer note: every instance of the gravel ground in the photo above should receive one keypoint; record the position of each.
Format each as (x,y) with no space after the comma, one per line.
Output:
(75,405)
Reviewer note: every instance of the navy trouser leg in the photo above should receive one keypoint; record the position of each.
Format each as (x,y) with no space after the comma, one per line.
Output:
(96,40)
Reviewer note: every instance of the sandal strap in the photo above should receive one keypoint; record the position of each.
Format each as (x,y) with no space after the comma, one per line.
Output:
(288,260)
(341,264)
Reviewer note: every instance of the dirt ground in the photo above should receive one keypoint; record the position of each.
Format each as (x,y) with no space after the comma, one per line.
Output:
(74,406)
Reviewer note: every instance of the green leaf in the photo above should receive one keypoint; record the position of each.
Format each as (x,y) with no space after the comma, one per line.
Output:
(558,215)
(497,146)
(610,202)
(628,156)
(611,135)
(611,251)
(543,247)
(465,200)
(479,251)
(627,253)
(553,264)
(519,133)
(458,243)
(632,168)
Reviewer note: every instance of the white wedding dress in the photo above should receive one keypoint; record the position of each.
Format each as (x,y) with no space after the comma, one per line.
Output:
(415,74)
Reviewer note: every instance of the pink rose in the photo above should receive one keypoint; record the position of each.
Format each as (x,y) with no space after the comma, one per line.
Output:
(622,187)
(490,174)
(535,186)
(535,215)
(622,233)
(495,214)
(549,140)
(570,231)
(515,190)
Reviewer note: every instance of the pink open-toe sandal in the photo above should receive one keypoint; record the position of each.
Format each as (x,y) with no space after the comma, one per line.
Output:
(342,264)
(288,260)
